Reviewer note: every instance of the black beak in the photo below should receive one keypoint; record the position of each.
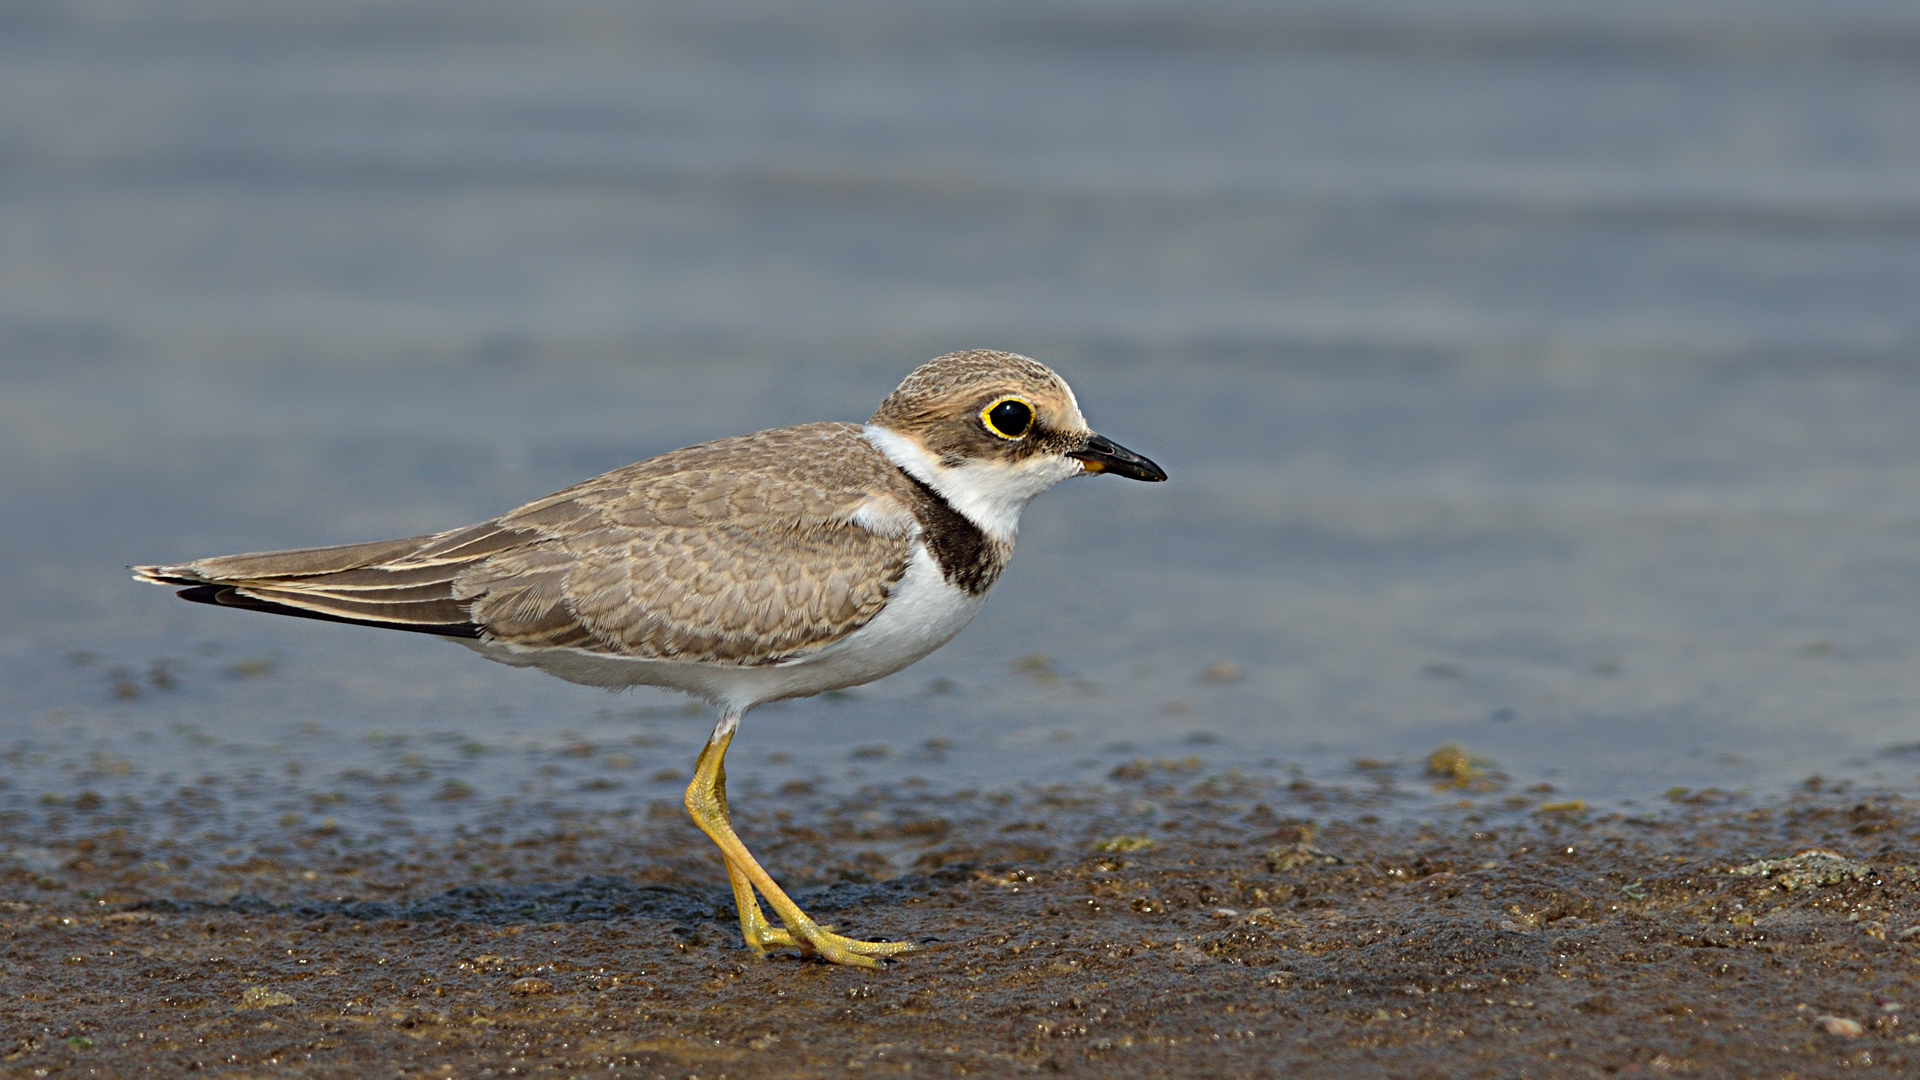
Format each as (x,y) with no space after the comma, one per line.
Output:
(1102,454)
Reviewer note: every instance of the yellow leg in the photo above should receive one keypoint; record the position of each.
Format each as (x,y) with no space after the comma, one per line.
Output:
(707,803)
(760,934)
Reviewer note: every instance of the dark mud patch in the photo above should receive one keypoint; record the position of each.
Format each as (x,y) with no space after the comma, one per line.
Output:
(591,899)
(1242,928)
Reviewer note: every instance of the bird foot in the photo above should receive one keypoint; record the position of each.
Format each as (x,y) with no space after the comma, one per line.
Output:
(821,941)
(813,939)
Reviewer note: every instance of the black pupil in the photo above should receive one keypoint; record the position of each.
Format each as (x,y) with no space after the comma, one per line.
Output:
(1011,418)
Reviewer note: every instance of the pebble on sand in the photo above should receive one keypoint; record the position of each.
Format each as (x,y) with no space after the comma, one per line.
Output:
(264,997)
(1812,868)
(1453,767)
(1839,1026)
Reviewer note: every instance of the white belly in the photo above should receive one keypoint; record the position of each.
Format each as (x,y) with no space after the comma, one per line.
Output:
(923,613)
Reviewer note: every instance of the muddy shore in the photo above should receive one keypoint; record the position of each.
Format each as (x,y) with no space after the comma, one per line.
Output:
(1247,926)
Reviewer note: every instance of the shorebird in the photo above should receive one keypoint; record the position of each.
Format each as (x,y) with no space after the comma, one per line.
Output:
(745,570)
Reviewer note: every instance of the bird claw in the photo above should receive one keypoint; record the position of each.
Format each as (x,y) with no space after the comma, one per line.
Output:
(823,943)
(813,939)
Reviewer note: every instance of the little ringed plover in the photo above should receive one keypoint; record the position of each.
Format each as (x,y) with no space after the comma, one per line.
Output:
(745,570)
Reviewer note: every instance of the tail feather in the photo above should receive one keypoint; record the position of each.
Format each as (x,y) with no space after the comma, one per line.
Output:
(227,596)
(435,610)
(301,562)
(374,584)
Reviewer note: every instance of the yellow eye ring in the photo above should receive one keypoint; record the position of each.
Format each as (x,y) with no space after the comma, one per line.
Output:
(1010,418)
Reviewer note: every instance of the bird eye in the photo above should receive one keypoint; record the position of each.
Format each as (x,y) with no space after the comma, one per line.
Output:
(1009,418)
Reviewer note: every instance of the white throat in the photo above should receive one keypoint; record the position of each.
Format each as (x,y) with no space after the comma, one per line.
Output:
(988,494)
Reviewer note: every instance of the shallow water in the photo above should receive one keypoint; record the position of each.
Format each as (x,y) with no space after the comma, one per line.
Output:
(1539,381)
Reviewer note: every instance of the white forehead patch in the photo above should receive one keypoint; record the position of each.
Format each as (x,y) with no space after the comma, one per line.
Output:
(1075,422)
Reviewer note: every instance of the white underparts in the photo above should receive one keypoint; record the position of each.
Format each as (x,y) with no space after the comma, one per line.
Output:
(989,494)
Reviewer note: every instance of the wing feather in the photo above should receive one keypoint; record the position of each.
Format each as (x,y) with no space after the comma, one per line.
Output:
(742,551)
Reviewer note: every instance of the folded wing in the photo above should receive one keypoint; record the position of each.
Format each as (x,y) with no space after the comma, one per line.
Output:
(742,551)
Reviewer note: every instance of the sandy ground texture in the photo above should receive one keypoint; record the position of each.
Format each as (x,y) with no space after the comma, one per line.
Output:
(1165,922)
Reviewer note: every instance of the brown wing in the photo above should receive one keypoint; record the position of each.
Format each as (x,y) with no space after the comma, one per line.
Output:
(738,551)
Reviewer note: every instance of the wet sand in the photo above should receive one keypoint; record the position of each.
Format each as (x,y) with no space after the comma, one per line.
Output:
(1165,921)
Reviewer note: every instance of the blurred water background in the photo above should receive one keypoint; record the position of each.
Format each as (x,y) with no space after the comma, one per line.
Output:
(1537,377)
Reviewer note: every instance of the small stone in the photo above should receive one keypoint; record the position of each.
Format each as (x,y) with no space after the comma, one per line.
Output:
(529,986)
(1839,1026)
(1282,859)
(1813,868)
(1453,767)
(264,997)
